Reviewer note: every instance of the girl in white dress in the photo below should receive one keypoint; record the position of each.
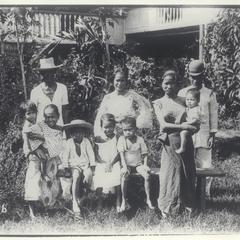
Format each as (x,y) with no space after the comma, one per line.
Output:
(107,172)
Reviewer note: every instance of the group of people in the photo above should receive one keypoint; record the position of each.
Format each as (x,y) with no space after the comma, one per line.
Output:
(63,156)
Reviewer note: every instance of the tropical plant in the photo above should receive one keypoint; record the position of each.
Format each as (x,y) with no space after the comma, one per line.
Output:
(17,26)
(222,57)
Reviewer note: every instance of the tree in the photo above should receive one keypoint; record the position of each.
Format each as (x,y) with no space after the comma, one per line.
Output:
(222,57)
(17,25)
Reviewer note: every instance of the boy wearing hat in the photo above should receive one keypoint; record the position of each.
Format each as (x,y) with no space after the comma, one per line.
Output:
(79,157)
(50,91)
(204,138)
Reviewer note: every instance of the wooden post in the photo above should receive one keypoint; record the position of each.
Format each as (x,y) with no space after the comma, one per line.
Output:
(201,40)
(200,192)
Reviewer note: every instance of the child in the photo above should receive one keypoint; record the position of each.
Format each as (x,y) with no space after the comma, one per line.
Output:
(79,156)
(107,172)
(193,112)
(133,150)
(36,154)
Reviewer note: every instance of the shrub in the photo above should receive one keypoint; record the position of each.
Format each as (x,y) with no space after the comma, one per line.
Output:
(222,56)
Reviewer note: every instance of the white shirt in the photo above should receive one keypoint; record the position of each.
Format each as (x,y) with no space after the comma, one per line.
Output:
(70,156)
(60,98)
(132,151)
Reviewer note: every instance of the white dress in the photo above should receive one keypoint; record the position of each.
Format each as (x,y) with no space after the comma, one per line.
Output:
(102,179)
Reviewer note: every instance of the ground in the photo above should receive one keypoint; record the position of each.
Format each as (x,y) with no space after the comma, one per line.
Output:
(222,214)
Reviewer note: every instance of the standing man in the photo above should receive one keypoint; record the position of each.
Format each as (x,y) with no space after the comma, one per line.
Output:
(50,91)
(204,138)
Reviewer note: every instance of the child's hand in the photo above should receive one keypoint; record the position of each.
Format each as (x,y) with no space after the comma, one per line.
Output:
(46,178)
(146,168)
(108,167)
(124,171)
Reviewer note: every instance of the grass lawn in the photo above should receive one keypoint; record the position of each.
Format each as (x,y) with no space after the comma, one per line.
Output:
(222,214)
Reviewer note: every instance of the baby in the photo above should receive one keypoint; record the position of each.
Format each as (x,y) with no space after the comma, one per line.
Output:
(193,112)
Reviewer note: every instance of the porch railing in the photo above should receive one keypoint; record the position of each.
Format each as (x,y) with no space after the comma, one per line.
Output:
(154,19)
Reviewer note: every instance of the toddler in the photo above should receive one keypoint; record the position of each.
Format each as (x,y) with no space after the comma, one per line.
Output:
(79,157)
(133,151)
(107,172)
(193,112)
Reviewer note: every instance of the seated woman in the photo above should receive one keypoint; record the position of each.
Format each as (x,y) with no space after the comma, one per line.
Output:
(123,102)
(46,188)
(177,172)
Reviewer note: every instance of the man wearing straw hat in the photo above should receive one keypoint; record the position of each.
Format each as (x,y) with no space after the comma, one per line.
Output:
(204,138)
(50,91)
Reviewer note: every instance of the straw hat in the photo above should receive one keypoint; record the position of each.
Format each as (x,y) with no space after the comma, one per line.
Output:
(78,123)
(48,64)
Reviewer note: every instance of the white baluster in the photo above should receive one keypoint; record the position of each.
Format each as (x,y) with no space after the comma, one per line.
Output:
(54,24)
(42,25)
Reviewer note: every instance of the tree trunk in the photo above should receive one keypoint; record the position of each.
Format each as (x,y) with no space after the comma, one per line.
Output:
(107,53)
(20,53)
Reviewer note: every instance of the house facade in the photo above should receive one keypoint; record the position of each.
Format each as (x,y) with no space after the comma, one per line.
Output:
(164,31)
(158,30)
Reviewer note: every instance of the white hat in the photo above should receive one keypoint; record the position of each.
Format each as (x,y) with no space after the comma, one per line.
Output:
(78,123)
(48,64)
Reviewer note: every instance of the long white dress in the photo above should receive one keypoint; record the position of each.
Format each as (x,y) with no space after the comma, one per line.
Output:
(102,179)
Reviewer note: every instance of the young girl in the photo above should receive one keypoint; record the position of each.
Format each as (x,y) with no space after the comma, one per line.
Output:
(107,172)
(133,150)
(79,156)
(193,112)
(34,152)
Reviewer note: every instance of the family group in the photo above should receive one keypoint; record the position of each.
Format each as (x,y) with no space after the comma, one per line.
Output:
(63,157)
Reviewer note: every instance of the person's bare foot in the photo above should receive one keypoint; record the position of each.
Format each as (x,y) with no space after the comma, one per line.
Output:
(123,206)
(150,204)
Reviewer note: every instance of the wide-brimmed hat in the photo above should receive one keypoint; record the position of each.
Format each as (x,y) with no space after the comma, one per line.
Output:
(48,64)
(196,68)
(78,123)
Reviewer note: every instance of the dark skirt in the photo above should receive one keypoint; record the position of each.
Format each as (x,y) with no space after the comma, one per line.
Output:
(177,176)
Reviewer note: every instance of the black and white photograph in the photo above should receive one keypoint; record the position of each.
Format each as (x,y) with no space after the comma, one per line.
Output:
(96,132)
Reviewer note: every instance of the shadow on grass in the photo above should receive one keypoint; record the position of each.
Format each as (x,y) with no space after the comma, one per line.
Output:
(227,199)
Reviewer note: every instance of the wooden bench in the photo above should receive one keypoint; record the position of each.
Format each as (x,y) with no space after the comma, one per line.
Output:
(202,173)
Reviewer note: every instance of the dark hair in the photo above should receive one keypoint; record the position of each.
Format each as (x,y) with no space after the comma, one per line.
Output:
(170,73)
(195,93)
(27,105)
(130,121)
(53,107)
(108,117)
(122,70)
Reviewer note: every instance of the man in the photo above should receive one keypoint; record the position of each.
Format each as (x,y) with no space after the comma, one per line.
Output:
(204,138)
(50,91)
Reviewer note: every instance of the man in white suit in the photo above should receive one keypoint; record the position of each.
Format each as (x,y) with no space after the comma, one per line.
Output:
(203,140)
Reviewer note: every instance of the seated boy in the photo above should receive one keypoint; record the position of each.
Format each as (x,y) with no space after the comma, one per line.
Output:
(133,150)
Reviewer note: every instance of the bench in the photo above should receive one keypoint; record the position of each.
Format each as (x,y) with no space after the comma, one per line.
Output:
(202,173)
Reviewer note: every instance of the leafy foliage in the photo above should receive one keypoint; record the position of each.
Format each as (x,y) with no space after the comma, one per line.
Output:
(222,57)
(12,164)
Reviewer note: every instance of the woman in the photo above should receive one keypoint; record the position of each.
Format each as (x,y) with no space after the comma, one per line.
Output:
(177,172)
(123,102)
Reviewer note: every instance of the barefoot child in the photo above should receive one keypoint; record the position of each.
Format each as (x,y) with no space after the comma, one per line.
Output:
(133,152)
(36,154)
(193,112)
(79,156)
(107,172)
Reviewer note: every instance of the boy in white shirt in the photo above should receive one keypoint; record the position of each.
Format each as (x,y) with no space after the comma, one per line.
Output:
(133,150)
